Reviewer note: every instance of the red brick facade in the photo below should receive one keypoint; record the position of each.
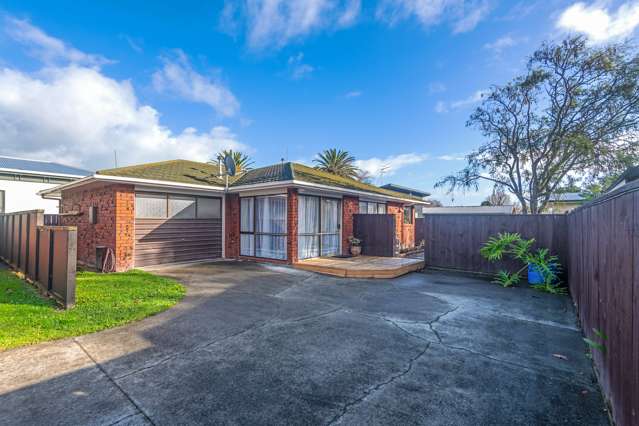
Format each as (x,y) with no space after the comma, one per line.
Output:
(350,206)
(291,224)
(114,228)
(116,222)
(232,226)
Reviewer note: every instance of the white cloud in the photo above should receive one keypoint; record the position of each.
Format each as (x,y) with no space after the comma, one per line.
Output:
(598,23)
(353,94)
(46,48)
(475,98)
(79,116)
(297,68)
(178,77)
(464,14)
(389,165)
(503,43)
(451,157)
(275,23)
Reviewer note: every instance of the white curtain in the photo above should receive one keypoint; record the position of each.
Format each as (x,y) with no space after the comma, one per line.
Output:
(308,223)
(247,241)
(330,226)
(270,218)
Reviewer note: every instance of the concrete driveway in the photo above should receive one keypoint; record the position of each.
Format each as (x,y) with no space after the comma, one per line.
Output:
(254,344)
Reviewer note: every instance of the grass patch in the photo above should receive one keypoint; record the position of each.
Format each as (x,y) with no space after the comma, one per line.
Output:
(102,301)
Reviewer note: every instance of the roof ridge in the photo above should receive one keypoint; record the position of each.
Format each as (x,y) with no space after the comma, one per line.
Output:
(153,163)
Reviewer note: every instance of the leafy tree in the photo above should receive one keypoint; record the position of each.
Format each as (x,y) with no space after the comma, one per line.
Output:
(497,198)
(573,115)
(338,162)
(242,161)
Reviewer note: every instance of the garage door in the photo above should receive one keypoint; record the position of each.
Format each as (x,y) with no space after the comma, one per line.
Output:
(172,228)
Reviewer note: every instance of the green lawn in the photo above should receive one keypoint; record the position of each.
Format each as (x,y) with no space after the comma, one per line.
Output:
(102,301)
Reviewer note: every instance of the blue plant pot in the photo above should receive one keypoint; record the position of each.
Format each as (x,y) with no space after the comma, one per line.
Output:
(536,276)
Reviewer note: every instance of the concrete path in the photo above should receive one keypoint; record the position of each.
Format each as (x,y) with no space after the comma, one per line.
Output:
(253,344)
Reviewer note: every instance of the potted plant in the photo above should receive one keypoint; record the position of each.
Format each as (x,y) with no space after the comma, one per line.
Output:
(356,246)
(543,268)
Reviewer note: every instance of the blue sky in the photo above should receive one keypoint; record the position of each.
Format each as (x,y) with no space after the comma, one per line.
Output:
(391,81)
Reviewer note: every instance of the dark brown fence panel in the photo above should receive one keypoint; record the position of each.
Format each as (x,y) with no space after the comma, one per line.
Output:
(604,284)
(45,254)
(453,241)
(377,233)
(420,227)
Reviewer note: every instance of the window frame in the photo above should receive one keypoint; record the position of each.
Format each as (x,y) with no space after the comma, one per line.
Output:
(319,234)
(255,234)
(167,195)
(377,204)
(3,201)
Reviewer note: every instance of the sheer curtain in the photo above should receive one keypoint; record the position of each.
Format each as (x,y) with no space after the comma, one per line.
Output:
(330,226)
(270,218)
(247,241)
(308,223)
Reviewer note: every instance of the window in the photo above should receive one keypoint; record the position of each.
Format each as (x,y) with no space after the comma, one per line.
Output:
(263,227)
(408,214)
(368,207)
(209,208)
(318,226)
(150,206)
(174,206)
(1,201)
(181,207)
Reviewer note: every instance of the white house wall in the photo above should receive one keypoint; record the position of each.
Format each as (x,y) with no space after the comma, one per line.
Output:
(21,196)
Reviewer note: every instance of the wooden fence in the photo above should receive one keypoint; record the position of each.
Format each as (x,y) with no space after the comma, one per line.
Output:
(420,234)
(452,241)
(604,284)
(377,232)
(598,245)
(45,254)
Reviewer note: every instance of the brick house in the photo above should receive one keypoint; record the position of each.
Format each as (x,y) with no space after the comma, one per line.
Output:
(180,211)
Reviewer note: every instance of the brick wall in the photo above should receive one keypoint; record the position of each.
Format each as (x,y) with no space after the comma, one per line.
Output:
(291,222)
(232,226)
(350,206)
(115,228)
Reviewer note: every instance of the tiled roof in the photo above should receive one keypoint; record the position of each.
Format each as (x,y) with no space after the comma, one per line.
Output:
(567,197)
(40,167)
(182,171)
(405,190)
(193,172)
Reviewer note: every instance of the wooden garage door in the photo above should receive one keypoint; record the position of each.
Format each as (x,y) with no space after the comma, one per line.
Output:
(176,228)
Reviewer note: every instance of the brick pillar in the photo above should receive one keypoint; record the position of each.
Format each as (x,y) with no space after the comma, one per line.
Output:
(124,227)
(291,220)
(350,206)
(232,226)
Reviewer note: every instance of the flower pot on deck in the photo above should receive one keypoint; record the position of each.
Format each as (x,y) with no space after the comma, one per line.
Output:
(356,250)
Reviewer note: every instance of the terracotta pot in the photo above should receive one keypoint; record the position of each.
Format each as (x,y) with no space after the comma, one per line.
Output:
(356,250)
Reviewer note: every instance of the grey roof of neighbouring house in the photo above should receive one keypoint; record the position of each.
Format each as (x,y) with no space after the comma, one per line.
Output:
(405,190)
(40,167)
(567,197)
(468,209)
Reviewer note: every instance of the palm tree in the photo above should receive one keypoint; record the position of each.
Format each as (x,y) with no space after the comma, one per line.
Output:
(243,162)
(337,162)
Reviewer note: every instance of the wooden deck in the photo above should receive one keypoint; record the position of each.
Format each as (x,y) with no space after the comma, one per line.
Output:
(361,266)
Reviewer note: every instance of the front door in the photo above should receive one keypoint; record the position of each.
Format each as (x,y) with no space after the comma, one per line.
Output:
(318,226)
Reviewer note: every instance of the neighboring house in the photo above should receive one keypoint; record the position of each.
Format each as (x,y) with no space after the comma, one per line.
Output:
(630,175)
(508,209)
(564,202)
(176,211)
(411,192)
(21,180)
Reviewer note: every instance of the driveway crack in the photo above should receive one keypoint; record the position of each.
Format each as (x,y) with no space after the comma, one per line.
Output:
(378,387)
(112,380)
